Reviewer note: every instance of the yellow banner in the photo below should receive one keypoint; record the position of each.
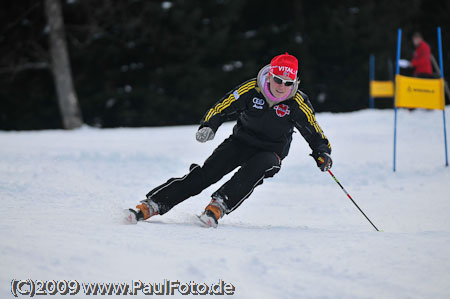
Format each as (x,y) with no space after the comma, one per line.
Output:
(411,92)
(381,89)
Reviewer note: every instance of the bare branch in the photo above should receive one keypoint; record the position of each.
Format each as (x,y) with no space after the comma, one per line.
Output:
(24,67)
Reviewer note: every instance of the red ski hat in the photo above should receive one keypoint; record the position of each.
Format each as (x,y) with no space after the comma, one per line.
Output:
(284,65)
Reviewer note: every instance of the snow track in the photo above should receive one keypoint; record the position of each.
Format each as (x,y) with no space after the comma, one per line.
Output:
(297,236)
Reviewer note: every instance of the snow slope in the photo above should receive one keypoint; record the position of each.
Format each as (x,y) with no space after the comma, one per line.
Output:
(297,236)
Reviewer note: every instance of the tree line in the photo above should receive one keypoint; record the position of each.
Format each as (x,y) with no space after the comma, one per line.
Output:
(155,63)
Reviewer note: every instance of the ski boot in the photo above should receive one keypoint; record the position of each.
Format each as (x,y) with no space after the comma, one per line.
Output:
(213,212)
(145,210)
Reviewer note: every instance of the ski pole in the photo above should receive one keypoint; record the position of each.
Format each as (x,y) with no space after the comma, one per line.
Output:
(345,191)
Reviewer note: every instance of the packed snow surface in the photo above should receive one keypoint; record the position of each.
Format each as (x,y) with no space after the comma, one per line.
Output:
(297,236)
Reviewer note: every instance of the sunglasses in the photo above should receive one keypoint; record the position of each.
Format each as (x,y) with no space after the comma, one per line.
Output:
(280,80)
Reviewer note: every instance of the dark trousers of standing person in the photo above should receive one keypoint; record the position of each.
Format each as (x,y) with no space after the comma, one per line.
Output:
(255,165)
(426,76)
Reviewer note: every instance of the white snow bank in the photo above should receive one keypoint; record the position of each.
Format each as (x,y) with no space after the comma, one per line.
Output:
(297,236)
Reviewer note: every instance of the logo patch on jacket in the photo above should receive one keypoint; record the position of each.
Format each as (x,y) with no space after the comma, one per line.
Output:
(282,110)
(258,103)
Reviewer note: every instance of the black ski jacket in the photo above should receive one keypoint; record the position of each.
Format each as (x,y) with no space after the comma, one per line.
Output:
(266,127)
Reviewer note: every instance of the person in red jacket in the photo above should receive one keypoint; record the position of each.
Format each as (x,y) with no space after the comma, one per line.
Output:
(421,61)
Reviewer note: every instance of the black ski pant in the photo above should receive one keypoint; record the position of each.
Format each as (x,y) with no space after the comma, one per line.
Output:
(255,165)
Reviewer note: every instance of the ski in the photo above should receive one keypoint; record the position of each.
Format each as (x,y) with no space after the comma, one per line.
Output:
(206,221)
(131,216)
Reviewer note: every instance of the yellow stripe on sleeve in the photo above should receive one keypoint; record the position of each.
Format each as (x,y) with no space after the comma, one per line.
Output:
(228,101)
(218,108)
(309,114)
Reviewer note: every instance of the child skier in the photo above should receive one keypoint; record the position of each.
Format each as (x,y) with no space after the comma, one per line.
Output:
(267,109)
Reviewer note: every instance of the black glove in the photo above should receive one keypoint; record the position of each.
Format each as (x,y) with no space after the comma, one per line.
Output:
(323,160)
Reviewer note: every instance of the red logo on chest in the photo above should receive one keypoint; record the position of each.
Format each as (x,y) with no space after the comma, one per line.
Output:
(282,110)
